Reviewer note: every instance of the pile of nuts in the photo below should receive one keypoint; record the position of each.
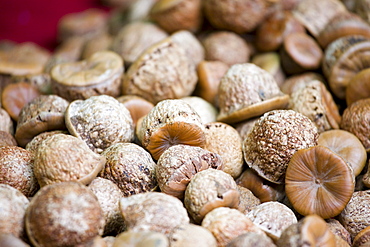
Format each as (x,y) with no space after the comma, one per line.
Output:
(190,123)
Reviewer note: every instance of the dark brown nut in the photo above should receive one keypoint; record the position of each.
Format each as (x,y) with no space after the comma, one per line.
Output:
(108,195)
(34,144)
(102,42)
(318,181)
(177,15)
(64,214)
(141,238)
(244,127)
(134,38)
(295,82)
(193,47)
(43,113)
(362,239)
(355,119)
(13,205)
(188,235)
(169,123)
(251,239)
(224,140)
(338,229)
(6,123)
(270,61)
(130,167)
(358,87)
(99,74)
(228,223)
(205,110)
(309,231)
(346,145)
(6,139)
(61,158)
(9,240)
(150,75)
(17,165)
(137,106)
(100,121)
(210,189)
(315,102)
(239,17)
(178,164)
(153,211)
(362,8)
(273,140)
(88,24)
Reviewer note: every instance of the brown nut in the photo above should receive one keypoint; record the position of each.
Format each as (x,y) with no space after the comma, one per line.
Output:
(273,140)
(9,240)
(247,200)
(210,189)
(137,106)
(338,229)
(191,235)
(34,144)
(251,239)
(205,110)
(64,214)
(365,180)
(358,87)
(270,61)
(146,238)
(6,123)
(193,47)
(244,127)
(102,42)
(295,82)
(362,239)
(362,8)
(6,139)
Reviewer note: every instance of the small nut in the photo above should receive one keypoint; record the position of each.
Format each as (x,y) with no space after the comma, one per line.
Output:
(247,200)
(137,106)
(9,240)
(251,239)
(362,239)
(6,139)
(34,144)
(191,235)
(141,238)
(193,48)
(338,229)
(205,110)
(358,87)
(6,123)
(102,42)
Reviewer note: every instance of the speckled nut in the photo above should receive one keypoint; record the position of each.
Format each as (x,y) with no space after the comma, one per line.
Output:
(362,239)
(34,144)
(224,140)
(315,102)
(356,118)
(100,121)
(136,37)
(9,240)
(13,205)
(108,195)
(247,200)
(43,113)
(153,211)
(188,235)
(338,230)
(130,167)
(272,218)
(193,47)
(309,231)
(228,223)
(273,140)
(64,214)
(169,123)
(141,238)
(6,123)
(99,74)
(6,139)
(205,110)
(358,87)
(150,75)
(178,164)
(210,189)
(137,106)
(61,158)
(295,82)
(247,91)
(251,239)
(239,16)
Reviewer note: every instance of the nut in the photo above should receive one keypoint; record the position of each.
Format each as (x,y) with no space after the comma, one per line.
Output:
(358,87)
(193,48)
(205,110)
(338,229)
(34,144)
(102,42)
(270,61)
(362,238)
(9,240)
(141,238)
(251,239)
(6,139)
(247,200)
(137,106)
(6,123)
(191,235)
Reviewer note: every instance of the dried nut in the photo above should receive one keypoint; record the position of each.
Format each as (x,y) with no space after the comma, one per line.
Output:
(273,140)
(175,15)
(163,71)
(43,113)
(358,87)
(169,123)
(137,106)
(205,110)
(178,165)
(309,231)
(270,61)
(210,189)
(188,235)
(34,144)
(64,214)
(318,181)
(102,42)
(193,48)
(6,123)
(355,119)
(17,165)
(251,239)
(6,139)
(141,238)
(315,102)
(108,195)
(362,239)
(239,17)
(153,211)
(99,74)
(362,8)
(247,91)
(100,121)
(295,82)
(244,127)
(130,167)
(346,145)
(136,37)
(224,140)
(338,229)
(61,158)
(227,223)
(16,95)
(9,240)
(13,205)
(109,240)
(247,200)
(42,81)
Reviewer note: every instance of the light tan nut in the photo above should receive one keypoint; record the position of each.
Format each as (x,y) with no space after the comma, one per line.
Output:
(6,123)
(251,239)
(187,235)
(9,240)
(102,42)
(6,139)
(146,238)
(34,144)
(247,201)
(205,110)
(193,47)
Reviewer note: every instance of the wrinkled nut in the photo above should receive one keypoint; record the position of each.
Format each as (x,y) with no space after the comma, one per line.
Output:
(169,123)
(100,121)
(34,144)
(228,223)
(6,139)
(191,235)
(61,158)
(153,211)
(99,74)
(9,240)
(6,123)
(273,140)
(270,61)
(137,106)
(102,42)
(358,87)
(224,140)
(309,231)
(247,200)
(13,205)
(247,91)
(141,238)
(251,239)
(205,110)
(43,113)
(178,164)
(295,82)
(338,229)
(163,71)
(64,214)
(130,167)
(210,189)
(362,239)
(193,47)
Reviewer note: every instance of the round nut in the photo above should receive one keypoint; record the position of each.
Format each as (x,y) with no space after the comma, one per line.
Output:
(191,235)
(9,240)
(338,230)
(34,144)
(6,123)
(251,239)
(6,139)
(141,238)
(247,200)
(193,48)
(358,87)
(205,110)
(102,42)
(362,239)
